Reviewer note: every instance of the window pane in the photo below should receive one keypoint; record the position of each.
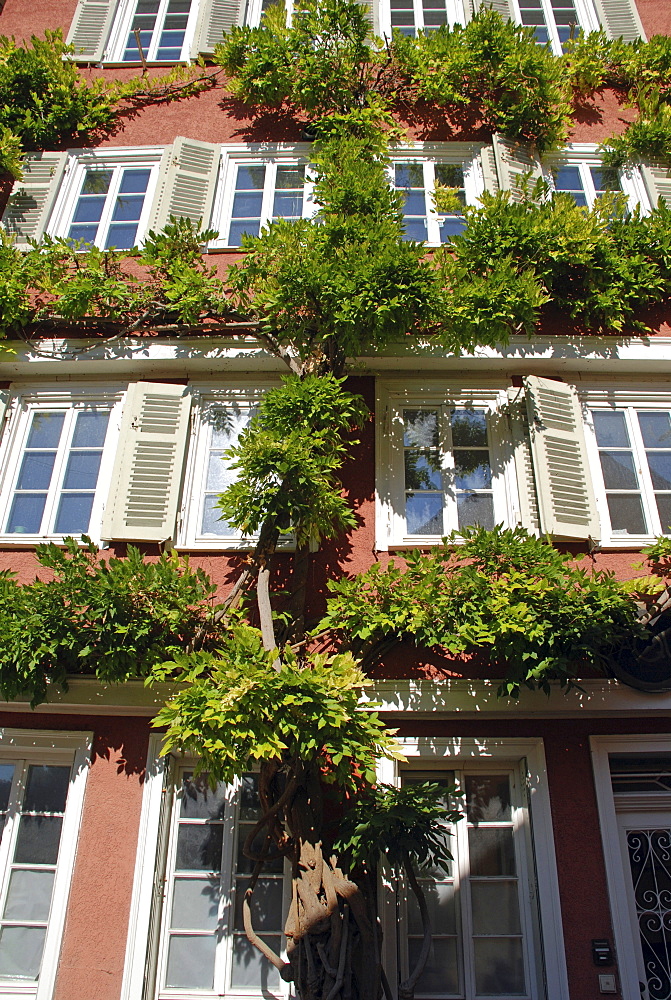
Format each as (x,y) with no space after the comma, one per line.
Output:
(199,848)
(610,429)
(618,470)
(469,428)
(38,840)
(191,962)
(195,903)
(664,508)
(6,779)
(29,895)
(250,227)
(488,798)
(81,472)
(96,182)
(47,789)
(121,236)
(74,514)
(199,800)
(251,970)
(660,469)
(45,430)
(212,523)
(36,470)
(25,517)
(422,470)
(90,429)
(21,951)
(249,808)
(441,905)
(266,904)
(626,514)
(472,470)
(499,969)
(491,851)
(421,428)
(473,508)
(424,514)
(441,973)
(495,907)
(656,429)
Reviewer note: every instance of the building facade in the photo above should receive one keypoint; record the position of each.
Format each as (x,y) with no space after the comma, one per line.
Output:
(561,884)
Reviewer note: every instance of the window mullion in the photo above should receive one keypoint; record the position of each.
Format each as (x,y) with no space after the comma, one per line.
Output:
(268,193)
(647,489)
(587,182)
(419,16)
(58,475)
(432,234)
(223,964)
(462,894)
(552,27)
(106,214)
(158,30)
(450,518)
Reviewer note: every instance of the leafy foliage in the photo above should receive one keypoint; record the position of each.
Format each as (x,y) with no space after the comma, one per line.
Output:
(235,708)
(536,614)
(406,823)
(287,458)
(114,618)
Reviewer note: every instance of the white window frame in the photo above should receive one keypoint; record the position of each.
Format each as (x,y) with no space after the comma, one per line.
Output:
(25,401)
(79,162)
(116,44)
(454,10)
(147,877)
(272,155)
(70,749)
(254,11)
(631,400)
(585,11)
(584,155)
(428,155)
(395,396)
(616,876)
(538,873)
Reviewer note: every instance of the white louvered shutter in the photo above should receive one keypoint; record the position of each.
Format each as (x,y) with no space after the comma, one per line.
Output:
(658,183)
(215,19)
(513,163)
(90,29)
(469,9)
(503,7)
(524,467)
(32,198)
(186,183)
(620,19)
(489,172)
(147,474)
(371,9)
(561,470)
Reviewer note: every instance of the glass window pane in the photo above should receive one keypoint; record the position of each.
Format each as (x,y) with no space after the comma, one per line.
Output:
(191,962)
(488,798)
(469,428)
(251,970)
(25,516)
(266,904)
(421,428)
(249,807)
(660,469)
(45,430)
(610,429)
(499,968)
(424,514)
(212,523)
(199,800)
(81,472)
(491,851)
(199,848)
(290,177)
(440,974)
(128,208)
(121,236)
(245,865)
(251,178)
(90,429)
(88,210)
(664,509)
(441,905)
(656,429)
(495,907)
(38,840)
(195,903)
(475,508)
(618,470)
(626,514)
(6,779)
(422,470)
(46,789)
(415,229)
(472,470)
(249,227)
(219,472)
(96,182)
(21,951)
(36,470)
(74,514)
(134,181)
(29,895)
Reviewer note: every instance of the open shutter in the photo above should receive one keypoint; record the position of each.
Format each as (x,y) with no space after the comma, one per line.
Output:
(488,161)
(620,19)
(469,9)
(371,9)
(90,29)
(565,498)
(513,163)
(526,485)
(503,7)
(216,17)
(32,198)
(658,183)
(159,885)
(186,183)
(147,474)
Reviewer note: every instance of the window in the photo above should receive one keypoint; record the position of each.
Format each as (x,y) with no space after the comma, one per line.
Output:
(442,465)
(258,190)
(417,180)
(634,455)
(579,172)
(41,790)
(105,200)
(57,465)
(413,16)
(495,912)
(555,21)
(164,27)
(203,944)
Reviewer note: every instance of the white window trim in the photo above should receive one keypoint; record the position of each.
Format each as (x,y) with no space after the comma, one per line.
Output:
(80,160)
(616,876)
(465,155)
(254,11)
(529,756)
(585,155)
(51,747)
(256,154)
(587,20)
(142,900)
(615,399)
(454,10)
(116,43)
(392,397)
(25,399)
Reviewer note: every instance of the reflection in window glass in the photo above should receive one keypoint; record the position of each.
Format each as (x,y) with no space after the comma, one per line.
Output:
(109,207)
(265,192)
(162,28)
